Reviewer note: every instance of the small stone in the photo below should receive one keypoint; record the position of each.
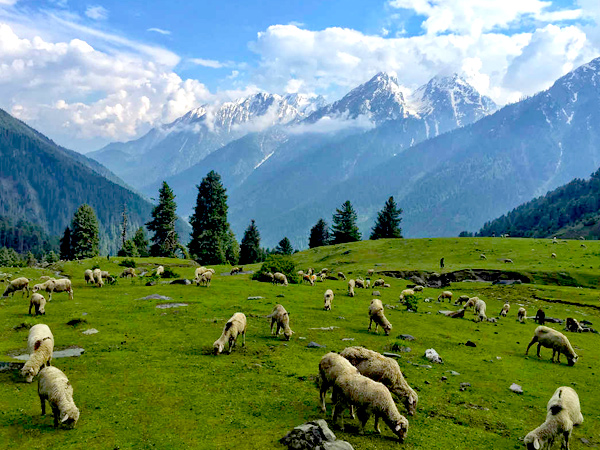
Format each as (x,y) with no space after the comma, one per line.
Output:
(84,314)
(516,388)
(584,441)
(258,297)
(347,339)
(433,356)
(498,358)
(426,366)
(340,318)
(302,338)
(337,445)
(426,382)
(376,294)
(90,331)
(470,344)
(444,378)
(406,337)
(280,295)
(391,355)
(313,344)
(453,372)
(464,386)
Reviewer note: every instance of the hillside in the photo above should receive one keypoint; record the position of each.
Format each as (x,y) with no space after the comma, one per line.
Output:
(44,184)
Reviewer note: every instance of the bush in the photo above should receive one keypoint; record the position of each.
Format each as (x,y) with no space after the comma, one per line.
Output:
(95,266)
(169,273)
(412,303)
(128,263)
(277,263)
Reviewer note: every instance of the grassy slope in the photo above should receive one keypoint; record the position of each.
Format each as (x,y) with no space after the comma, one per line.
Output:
(148,380)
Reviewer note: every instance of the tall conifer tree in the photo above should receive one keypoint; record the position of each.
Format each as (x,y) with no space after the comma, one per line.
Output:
(388,222)
(319,235)
(250,249)
(344,227)
(85,238)
(165,241)
(284,247)
(65,245)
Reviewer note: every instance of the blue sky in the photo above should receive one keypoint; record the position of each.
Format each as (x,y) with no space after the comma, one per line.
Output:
(87,73)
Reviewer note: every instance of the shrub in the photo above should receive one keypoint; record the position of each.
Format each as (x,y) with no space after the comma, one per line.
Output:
(277,263)
(412,303)
(169,273)
(128,263)
(95,266)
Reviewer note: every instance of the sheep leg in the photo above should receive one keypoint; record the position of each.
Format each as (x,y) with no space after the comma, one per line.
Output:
(43,402)
(557,355)
(30,305)
(377,430)
(533,341)
(338,409)
(272,323)
(363,418)
(278,329)
(370,323)
(55,413)
(539,347)
(323,393)
(566,435)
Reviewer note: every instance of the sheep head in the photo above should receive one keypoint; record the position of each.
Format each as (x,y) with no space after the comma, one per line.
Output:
(218,347)
(572,360)
(401,428)
(533,443)
(28,373)
(387,329)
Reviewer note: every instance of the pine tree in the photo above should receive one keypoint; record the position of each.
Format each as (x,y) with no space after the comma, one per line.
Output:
(388,222)
(284,247)
(250,251)
(85,240)
(141,242)
(344,227)
(129,249)
(165,239)
(319,235)
(65,246)
(212,241)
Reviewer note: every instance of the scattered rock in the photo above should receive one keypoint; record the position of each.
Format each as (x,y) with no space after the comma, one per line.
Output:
(389,306)
(433,356)
(399,348)
(183,281)
(90,331)
(258,297)
(75,322)
(324,328)
(498,358)
(470,344)
(425,366)
(588,323)
(444,378)
(340,318)
(170,305)
(426,382)
(464,386)
(585,441)
(151,283)
(10,366)
(376,294)
(516,388)
(313,344)
(22,326)
(302,338)
(337,445)
(392,355)
(280,295)
(313,435)
(481,408)
(406,337)
(155,297)
(347,339)
(453,372)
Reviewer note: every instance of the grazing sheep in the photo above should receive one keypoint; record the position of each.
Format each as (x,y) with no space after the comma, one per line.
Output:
(98,277)
(204,279)
(482,256)
(370,272)
(558,342)
(322,277)
(540,317)
(46,278)
(313,278)
(553,256)
(328,300)
(281,317)
(385,370)
(199,271)
(50,286)
(471,302)
(508,261)
(341,276)
(379,282)
(331,367)
(54,386)
(418,288)
(324,271)
(39,302)
(105,274)
(444,295)
(128,272)
(159,271)
(563,413)
(300,273)
(234,327)
(351,285)
(406,293)
(369,397)
(583,246)
(88,276)
(40,345)
(462,299)
(480,307)
(236,270)
(360,283)
(368,284)
(573,325)
(308,278)
(310,271)
(269,275)
(376,315)
(18,284)
(279,278)
(505,310)
(522,314)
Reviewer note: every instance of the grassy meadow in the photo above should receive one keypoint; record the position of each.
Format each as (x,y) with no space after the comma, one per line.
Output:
(148,379)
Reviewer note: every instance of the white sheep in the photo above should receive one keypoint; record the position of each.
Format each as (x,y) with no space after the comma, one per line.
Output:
(300,273)
(462,299)
(313,278)
(573,325)
(39,302)
(40,345)
(204,279)
(324,271)
(406,293)
(98,277)
(88,276)
(505,310)
(128,272)
(508,261)
(385,370)
(46,278)
(368,397)
(376,315)
(281,317)
(418,288)
(370,272)
(480,308)
(310,271)
(234,327)
(279,278)
(368,284)
(328,300)
(50,286)
(444,295)
(563,413)
(308,278)
(558,342)
(55,387)
(322,277)
(553,256)
(360,283)
(482,256)
(199,271)
(351,285)
(378,282)
(159,271)
(522,314)
(18,284)
(471,302)
(341,276)
(331,367)
(387,285)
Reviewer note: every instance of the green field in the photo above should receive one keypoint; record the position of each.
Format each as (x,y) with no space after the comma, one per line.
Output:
(148,378)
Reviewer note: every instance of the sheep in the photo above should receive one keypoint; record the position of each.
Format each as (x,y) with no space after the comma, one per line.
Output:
(279,278)
(376,315)
(379,282)
(368,284)
(18,284)
(540,317)
(54,386)
(482,256)
(406,293)
(204,279)
(553,256)
(128,272)
(331,367)
(46,278)
(310,271)
(387,285)
(39,302)
(300,273)
(40,345)
(444,295)
(269,275)
(88,276)
(558,342)
(462,299)
(351,284)
(508,261)
(360,283)
(370,272)
(50,286)
(505,310)
(480,307)
(418,288)
(328,300)
(324,271)
(322,277)
(159,271)
(98,277)
(281,317)
(308,278)
(573,325)
(522,314)
(313,278)
(471,302)
(105,274)
(369,397)
(234,327)
(385,370)
(563,413)
(341,276)
(236,270)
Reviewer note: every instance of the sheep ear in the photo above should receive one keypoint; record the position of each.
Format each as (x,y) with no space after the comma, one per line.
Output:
(536,444)
(37,345)
(64,418)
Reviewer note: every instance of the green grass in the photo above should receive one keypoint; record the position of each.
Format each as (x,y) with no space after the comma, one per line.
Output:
(148,378)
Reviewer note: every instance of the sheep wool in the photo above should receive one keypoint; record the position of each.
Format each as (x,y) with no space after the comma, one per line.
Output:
(159,271)
(406,293)
(558,342)
(376,315)
(128,272)
(18,284)
(40,345)
(55,387)
(233,328)
(341,276)
(378,282)
(445,295)
(281,317)
(331,366)
(328,300)
(522,314)
(98,277)
(505,310)
(480,308)
(38,302)
(279,278)
(88,276)
(462,299)
(351,285)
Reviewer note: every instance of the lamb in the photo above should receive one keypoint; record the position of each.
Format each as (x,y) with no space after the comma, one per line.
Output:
(159,271)
(40,345)
(128,272)
(369,397)
(351,285)
(54,386)
(313,278)
(385,370)
(279,278)
(98,277)
(281,317)
(50,286)
(18,284)
(328,300)
(444,295)
(88,276)
(480,307)
(341,276)
(379,282)
(370,272)
(331,367)
(522,314)
(462,299)
(563,413)
(308,278)
(234,327)
(505,310)
(204,279)
(360,283)
(558,342)
(39,302)
(376,315)
(406,293)
(368,284)
(322,277)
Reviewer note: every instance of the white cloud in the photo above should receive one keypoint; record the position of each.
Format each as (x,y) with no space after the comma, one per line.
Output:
(333,125)
(213,64)
(96,12)
(159,31)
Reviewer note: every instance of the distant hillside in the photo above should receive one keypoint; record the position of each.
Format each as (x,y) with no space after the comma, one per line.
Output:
(26,237)
(44,184)
(569,211)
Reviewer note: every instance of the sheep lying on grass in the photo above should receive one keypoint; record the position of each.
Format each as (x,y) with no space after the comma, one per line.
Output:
(40,345)
(328,300)
(505,310)
(234,327)
(18,284)
(39,302)
(558,342)
(351,285)
(444,295)
(522,314)
(279,278)
(54,386)
(281,317)
(376,315)
(369,398)
(563,413)
(385,370)
(331,367)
